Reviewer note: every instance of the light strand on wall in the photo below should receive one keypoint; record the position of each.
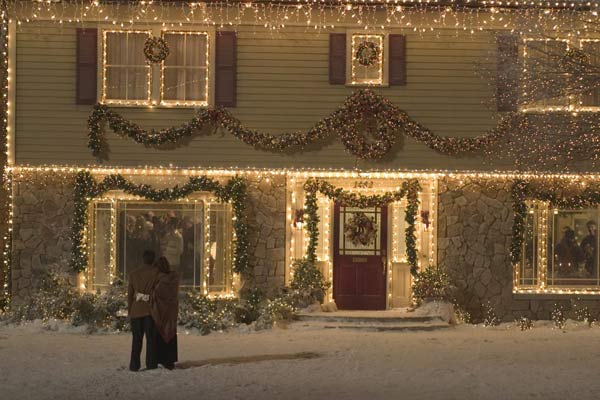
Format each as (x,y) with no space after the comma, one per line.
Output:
(206,263)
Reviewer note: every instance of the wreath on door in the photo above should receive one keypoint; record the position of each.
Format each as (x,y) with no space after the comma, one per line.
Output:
(361,229)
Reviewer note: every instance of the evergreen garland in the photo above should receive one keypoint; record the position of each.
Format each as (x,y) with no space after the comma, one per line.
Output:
(410,190)
(523,190)
(86,189)
(345,122)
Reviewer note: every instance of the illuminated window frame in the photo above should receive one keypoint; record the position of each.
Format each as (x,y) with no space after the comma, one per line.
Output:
(155,86)
(207,91)
(541,215)
(125,102)
(574,105)
(209,203)
(352,42)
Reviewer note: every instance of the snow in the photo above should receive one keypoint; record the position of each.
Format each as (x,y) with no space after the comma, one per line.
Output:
(463,362)
(440,309)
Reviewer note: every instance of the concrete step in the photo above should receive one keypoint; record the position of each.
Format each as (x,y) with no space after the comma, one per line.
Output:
(345,318)
(406,326)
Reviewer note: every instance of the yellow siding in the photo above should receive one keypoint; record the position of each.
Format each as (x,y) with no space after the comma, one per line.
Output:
(282,86)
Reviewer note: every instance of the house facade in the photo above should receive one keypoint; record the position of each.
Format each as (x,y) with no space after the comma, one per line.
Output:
(234,138)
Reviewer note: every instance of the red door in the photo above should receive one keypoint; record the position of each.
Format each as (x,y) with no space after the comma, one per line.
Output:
(359,258)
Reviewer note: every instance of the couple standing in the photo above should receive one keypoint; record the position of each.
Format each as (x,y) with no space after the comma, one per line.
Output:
(152,299)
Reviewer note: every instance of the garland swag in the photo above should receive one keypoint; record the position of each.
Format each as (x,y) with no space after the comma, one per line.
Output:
(410,189)
(87,188)
(523,190)
(345,123)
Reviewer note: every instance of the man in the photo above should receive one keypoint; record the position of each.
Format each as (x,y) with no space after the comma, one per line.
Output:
(141,284)
(589,245)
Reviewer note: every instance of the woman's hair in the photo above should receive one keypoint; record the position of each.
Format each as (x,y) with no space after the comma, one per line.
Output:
(163,265)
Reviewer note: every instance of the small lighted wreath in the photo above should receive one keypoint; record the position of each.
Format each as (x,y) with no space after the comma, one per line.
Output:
(156,49)
(361,230)
(367,53)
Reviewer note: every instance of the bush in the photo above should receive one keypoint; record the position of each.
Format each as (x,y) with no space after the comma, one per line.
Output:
(308,282)
(432,283)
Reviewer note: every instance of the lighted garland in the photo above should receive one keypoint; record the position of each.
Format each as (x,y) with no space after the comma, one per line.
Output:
(156,50)
(409,189)
(523,190)
(87,188)
(344,123)
(367,53)
(6,233)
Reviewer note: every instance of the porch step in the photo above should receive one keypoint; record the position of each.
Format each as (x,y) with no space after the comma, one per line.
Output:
(374,321)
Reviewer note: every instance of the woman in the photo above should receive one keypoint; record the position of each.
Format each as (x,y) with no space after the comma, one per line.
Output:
(165,306)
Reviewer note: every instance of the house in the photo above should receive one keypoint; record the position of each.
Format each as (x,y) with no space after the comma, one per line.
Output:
(377,138)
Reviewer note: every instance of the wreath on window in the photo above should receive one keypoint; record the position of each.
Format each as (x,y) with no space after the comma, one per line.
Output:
(156,49)
(367,53)
(360,229)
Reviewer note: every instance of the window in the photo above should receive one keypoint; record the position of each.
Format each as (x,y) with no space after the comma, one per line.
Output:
(185,72)
(558,74)
(194,235)
(183,79)
(367,59)
(126,74)
(560,249)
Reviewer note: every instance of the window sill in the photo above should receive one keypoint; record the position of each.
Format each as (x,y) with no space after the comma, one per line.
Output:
(367,85)
(555,296)
(156,106)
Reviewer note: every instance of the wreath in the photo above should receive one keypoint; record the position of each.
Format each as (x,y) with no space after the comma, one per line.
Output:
(367,53)
(156,49)
(360,229)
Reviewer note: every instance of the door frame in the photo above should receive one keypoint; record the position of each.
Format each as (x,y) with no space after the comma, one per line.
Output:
(385,247)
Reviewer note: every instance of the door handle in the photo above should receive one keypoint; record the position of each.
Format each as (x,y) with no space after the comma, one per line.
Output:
(383,263)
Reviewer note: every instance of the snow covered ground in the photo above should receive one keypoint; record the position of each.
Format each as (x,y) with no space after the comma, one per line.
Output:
(465,362)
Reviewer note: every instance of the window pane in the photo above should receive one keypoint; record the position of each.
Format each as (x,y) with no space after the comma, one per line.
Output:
(116,48)
(575,248)
(170,230)
(116,83)
(528,270)
(137,83)
(135,49)
(365,220)
(176,44)
(220,258)
(196,51)
(195,87)
(174,83)
(101,272)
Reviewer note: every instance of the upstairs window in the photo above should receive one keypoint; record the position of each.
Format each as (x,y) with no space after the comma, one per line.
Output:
(184,75)
(126,74)
(367,59)
(560,75)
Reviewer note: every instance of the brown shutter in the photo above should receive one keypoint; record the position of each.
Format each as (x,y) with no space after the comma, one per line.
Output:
(337,58)
(507,73)
(226,69)
(397,59)
(87,66)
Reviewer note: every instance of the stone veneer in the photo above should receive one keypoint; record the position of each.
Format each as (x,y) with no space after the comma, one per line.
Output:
(43,214)
(266,225)
(474,236)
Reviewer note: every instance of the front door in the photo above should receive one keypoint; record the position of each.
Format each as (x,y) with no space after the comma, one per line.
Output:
(359,258)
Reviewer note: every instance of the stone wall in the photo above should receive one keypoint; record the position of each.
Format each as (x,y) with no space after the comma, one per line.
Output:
(474,236)
(43,213)
(266,222)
